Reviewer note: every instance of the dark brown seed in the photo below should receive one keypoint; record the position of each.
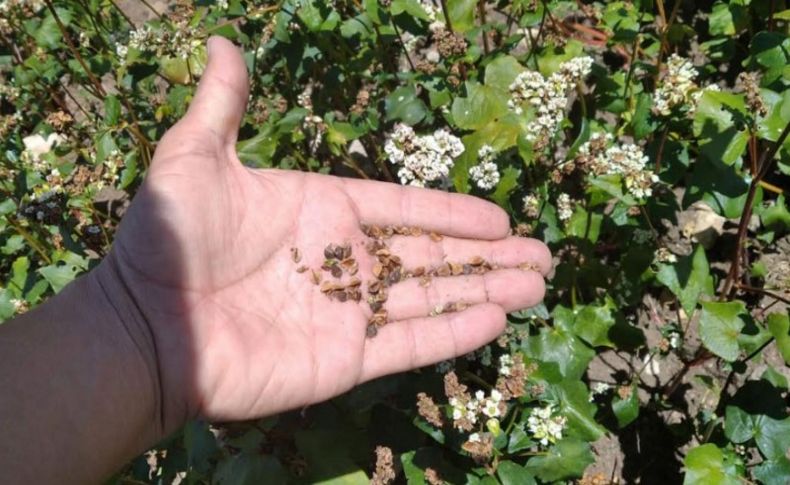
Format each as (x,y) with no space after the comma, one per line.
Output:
(393,277)
(354,294)
(354,282)
(336,271)
(418,271)
(329,251)
(328,264)
(435,237)
(296,255)
(468,269)
(353,269)
(381,296)
(395,259)
(301,269)
(342,296)
(383,252)
(376,306)
(456,269)
(371,331)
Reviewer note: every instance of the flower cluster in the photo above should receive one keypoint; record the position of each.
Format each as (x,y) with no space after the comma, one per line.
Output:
(564,207)
(424,159)
(627,160)
(180,41)
(677,85)
(664,255)
(531,205)
(545,425)
(486,173)
(547,96)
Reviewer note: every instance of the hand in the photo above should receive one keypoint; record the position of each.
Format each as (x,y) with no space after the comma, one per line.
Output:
(204,252)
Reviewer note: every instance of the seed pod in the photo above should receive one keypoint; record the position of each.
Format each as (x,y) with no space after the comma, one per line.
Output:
(315,277)
(301,269)
(444,270)
(476,261)
(435,237)
(354,282)
(456,269)
(418,271)
(371,330)
(378,269)
(374,286)
(376,306)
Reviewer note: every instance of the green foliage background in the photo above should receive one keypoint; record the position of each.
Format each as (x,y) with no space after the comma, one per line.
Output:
(68,68)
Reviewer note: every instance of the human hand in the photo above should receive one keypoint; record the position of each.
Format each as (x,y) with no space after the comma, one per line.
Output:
(204,253)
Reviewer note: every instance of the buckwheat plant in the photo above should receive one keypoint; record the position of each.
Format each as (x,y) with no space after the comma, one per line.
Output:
(645,142)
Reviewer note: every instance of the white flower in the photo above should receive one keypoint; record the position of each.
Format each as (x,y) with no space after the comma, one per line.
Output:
(222,4)
(505,363)
(424,159)
(531,205)
(564,207)
(546,96)
(491,408)
(677,86)
(664,255)
(674,340)
(121,51)
(545,427)
(486,173)
(37,145)
(598,389)
(627,160)
(474,438)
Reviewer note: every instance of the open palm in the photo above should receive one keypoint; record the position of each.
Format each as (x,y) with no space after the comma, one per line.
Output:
(238,332)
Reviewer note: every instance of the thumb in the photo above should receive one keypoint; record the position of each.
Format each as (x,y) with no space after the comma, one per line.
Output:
(221,97)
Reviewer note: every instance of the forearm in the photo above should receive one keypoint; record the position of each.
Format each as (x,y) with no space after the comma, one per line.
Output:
(79,390)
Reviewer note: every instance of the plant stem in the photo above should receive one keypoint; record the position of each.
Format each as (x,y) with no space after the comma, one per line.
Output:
(446,15)
(481,11)
(763,167)
(403,45)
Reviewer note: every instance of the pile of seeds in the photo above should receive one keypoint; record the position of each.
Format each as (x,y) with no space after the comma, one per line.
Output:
(387,270)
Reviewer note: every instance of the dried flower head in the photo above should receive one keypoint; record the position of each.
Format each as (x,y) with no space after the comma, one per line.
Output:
(385,467)
(429,410)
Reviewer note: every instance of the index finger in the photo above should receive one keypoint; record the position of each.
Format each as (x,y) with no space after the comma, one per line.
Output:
(458,215)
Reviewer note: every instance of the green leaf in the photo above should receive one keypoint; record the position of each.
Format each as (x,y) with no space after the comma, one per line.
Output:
(773,472)
(112,110)
(59,276)
(688,279)
(772,436)
(519,439)
(411,7)
(592,323)
(507,183)
(779,326)
(707,465)
(200,445)
(719,124)
(510,473)
(48,34)
(584,225)
(249,469)
(502,71)
(404,105)
(328,461)
(462,14)
(415,463)
(573,397)
(566,459)
(738,425)
(776,217)
(258,150)
(481,106)
(626,410)
(720,325)
(562,348)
